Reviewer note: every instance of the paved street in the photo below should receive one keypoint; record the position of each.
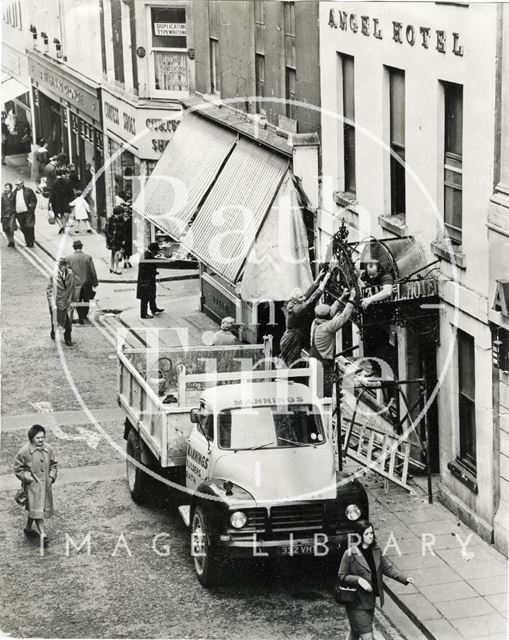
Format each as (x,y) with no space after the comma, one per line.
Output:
(127,586)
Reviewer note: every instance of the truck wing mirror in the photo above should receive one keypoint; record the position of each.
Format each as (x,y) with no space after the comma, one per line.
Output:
(194,414)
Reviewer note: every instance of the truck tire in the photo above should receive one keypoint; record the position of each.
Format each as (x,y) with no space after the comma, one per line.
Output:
(136,479)
(206,557)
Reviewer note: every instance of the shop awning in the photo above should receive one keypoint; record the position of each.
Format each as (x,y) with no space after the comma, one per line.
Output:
(184,174)
(11,88)
(279,260)
(226,226)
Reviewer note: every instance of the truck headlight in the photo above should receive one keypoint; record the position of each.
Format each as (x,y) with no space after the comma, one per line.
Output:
(238,519)
(353,512)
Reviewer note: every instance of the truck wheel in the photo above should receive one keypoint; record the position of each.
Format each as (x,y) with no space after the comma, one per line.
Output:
(207,562)
(136,479)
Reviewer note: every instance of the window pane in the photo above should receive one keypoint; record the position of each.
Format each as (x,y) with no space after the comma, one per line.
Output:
(290,92)
(169,28)
(453,207)
(290,18)
(453,178)
(453,94)
(348,87)
(397,106)
(170,70)
(349,133)
(466,375)
(259,12)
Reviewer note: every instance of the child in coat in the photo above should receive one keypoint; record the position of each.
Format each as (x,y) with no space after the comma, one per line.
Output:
(81,211)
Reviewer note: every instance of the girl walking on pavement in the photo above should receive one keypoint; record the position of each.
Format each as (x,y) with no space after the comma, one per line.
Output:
(114,231)
(363,567)
(35,465)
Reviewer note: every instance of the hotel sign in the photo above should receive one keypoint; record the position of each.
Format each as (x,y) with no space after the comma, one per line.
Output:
(403,291)
(400,33)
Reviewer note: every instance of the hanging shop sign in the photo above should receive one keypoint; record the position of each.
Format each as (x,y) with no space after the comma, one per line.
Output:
(147,131)
(398,32)
(64,87)
(501,301)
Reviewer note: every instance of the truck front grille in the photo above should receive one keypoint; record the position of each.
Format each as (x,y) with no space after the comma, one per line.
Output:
(296,517)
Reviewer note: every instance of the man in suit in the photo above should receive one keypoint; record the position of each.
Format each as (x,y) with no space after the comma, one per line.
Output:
(25,202)
(82,266)
(50,171)
(60,198)
(147,272)
(8,214)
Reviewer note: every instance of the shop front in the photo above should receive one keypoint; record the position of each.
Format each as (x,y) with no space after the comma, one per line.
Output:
(136,135)
(67,112)
(16,117)
(236,206)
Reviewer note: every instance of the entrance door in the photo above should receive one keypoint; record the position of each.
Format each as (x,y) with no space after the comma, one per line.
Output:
(421,363)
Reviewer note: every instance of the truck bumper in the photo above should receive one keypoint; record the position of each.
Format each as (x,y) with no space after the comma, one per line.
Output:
(319,545)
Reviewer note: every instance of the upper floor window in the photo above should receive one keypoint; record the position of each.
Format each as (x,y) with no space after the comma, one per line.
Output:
(397,139)
(348,104)
(453,161)
(290,58)
(260,81)
(12,15)
(215,74)
(169,48)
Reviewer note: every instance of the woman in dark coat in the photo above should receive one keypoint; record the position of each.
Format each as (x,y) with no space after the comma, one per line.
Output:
(146,289)
(60,198)
(114,232)
(299,317)
(127,247)
(35,465)
(363,567)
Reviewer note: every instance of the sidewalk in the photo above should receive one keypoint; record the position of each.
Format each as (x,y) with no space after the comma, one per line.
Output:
(460,591)
(55,245)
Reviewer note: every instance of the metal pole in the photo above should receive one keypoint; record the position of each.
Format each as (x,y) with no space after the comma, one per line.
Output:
(338,417)
(428,448)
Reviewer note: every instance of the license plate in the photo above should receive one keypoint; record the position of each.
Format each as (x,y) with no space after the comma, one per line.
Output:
(296,550)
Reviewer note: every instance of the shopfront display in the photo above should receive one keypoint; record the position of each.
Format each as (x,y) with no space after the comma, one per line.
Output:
(67,111)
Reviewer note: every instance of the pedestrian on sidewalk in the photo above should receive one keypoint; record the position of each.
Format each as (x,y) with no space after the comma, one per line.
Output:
(82,266)
(40,159)
(60,198)
(63,291)
(114,232)
(146,288)
(9,225)
(299,318)
(363,566)
(36,466)
(225,336)
(81,211)
(50,172)
(26,203)
(328,321)
(127,246)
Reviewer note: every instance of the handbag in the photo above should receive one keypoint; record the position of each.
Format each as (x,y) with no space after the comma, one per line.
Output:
(344,594)
(20,497)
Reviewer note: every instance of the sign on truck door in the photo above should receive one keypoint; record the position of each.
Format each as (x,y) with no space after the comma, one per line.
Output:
(198,448)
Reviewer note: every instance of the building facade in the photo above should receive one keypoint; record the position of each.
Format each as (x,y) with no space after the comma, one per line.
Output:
(410,157)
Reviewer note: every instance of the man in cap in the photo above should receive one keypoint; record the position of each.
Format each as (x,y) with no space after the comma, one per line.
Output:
(50,172)
(25,202)
(62,292)
(146,286)
(328,321)
(225,335)
(82,265)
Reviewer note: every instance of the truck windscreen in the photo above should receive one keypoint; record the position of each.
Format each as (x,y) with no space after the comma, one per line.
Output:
(270,427)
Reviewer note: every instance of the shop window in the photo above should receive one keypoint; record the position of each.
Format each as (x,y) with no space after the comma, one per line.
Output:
(260,81)
(453,161)
(348,105)
(466,382)
(215,74)
(169,49)
(397,140)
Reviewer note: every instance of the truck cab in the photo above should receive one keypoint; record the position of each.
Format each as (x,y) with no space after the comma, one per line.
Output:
(262,471)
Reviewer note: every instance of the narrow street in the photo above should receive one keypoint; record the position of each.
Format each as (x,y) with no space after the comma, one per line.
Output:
(131,583)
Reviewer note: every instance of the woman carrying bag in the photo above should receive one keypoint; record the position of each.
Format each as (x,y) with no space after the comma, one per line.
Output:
(360,581)
(36,467)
